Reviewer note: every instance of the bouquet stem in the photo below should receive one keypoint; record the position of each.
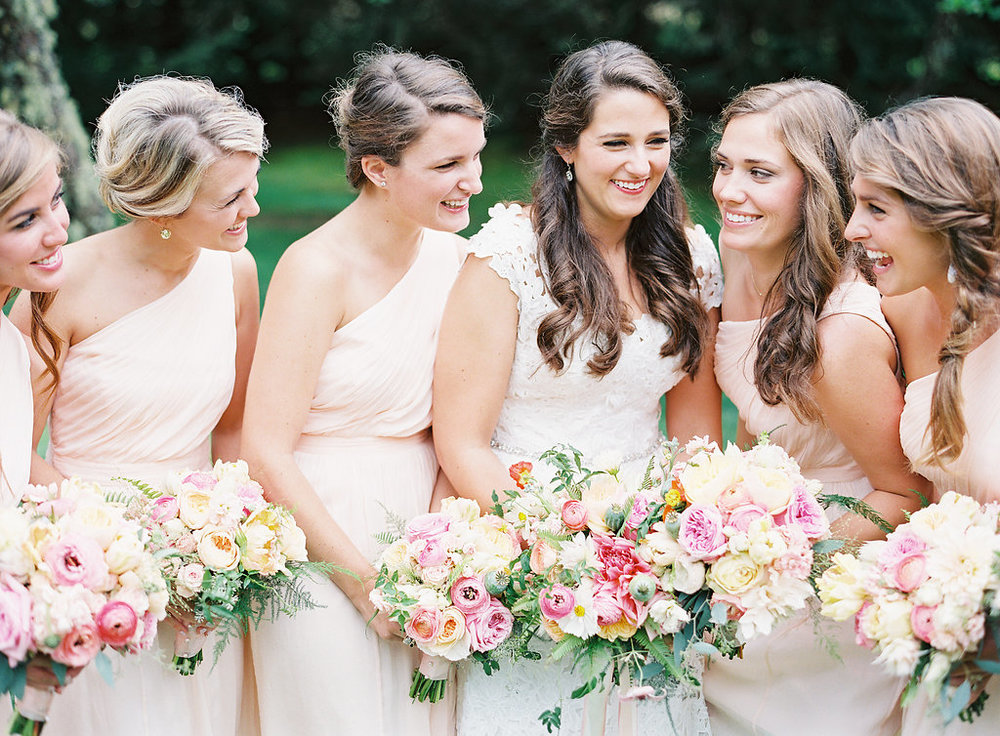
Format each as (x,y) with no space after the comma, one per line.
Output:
(188,645)
(430,679)
(30,711)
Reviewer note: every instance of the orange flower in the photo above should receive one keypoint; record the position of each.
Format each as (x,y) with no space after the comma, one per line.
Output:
(521,473)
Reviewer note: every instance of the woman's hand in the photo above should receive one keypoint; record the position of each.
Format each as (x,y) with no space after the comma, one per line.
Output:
(42,677)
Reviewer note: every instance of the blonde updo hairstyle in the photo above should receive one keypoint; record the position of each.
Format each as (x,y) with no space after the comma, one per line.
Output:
(25,153)
(389,101)
(158,137)
(942,157)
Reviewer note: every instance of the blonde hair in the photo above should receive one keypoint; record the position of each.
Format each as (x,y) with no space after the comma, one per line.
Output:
(159,135)
(25,153)
(942,157)
(389,101)
(815,122)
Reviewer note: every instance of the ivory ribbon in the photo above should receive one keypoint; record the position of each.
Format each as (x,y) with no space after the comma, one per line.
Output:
(189,641)
(35,704)
(595,708)
(434,668)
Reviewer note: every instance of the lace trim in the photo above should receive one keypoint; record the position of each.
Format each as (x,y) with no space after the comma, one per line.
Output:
(520,452)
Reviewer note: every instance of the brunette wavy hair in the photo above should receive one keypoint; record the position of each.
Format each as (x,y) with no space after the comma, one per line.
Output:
(942,156)
(577,278)
(815,122)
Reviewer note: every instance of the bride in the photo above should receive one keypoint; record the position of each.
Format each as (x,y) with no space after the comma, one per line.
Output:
(569,323)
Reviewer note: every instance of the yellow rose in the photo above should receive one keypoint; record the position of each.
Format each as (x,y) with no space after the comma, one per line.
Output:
(733,574)
(218,549)
(40,534)
(707,476)
(194,506)
(260,550)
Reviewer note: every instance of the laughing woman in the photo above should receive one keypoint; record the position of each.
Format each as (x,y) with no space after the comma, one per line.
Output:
(338,408)
(158,319)
(928,214)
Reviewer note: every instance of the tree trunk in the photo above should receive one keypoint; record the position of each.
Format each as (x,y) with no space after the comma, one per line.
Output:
(32,88)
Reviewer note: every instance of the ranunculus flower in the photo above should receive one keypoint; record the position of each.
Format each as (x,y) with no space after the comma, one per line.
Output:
(922,622)
(469,595)
(77,560)
(427,526)
(908,573)
(218,550)
(701,533)
(165,508)
(78,647)
(116,623)
(741,516)
(194,506)
(490,628)
(556,601)
(543,556)
(425,624)
(574,515)
(432,553)
(15,619)
(805,512)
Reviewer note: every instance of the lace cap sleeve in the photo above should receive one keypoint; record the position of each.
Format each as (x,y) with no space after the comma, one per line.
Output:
(508,241)
(707,269)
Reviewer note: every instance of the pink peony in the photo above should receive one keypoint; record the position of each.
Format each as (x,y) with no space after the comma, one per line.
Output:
(201,480)
(922,622)
(701,533)
(908,573)
(469,595)
(427,526)
(165,508)
(556,601)
(490,628)
(425,625)
(77,560)
(15,620)
(116,623)
(78,647)
(609,610)
(741,516)
(805,512)
(614,554)
(574,515)
(432,553)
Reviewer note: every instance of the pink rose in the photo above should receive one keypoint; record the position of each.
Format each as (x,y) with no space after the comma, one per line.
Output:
(741,516)
(490,628)
(469,595)
(78,647)
(433,553)
(116,623)
(805,512)
(542,557)
(908,573)
(638,514)
(201,480)
(556,601)
(614,554)
(427,526)
(899,544)
(77,560)
(425,625)
(574,515)
(165,508)
(701,533)
(15,620)
(922,622)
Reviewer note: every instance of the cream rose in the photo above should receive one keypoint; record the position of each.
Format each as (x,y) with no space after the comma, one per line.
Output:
(218,549)
(707,476)
(733,574)
(124,553)
(194,506)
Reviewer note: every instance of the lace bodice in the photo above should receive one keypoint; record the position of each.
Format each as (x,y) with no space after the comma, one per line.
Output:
(610,419)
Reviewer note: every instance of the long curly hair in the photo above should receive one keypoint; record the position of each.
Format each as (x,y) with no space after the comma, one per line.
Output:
(942,156)
(576,276)
(815,122)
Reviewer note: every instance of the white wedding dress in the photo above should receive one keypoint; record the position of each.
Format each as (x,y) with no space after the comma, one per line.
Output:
(612,420)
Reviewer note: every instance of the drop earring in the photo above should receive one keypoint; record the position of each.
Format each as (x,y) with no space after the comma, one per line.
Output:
(952,274)
(165,233)
(569,172)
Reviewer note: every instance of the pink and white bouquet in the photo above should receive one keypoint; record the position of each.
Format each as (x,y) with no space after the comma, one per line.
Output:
(76,575)
(229,556)
(443,582)
(925,598)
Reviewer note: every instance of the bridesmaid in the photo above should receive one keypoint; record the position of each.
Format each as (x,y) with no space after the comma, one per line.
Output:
(804,352)
(33,222)
(159,318)
(338,408)
(928,215)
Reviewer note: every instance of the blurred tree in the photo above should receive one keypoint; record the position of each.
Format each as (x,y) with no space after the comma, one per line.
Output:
(32,88)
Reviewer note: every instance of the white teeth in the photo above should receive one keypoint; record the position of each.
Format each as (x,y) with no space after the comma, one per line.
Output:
(455,203)
(876,255)
(48,261)
(733,217)
(633,186)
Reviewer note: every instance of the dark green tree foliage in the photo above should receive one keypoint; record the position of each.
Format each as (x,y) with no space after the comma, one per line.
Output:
(32,88)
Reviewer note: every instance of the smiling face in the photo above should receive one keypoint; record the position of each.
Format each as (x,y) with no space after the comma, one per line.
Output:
(621,157)
(758,188)
(225,200)
(32,233)
(438,173)
(904,257)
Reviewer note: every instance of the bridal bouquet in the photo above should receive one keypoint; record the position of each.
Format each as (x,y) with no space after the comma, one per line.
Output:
(229,556)
(925,597)
(443,580)
(76,575)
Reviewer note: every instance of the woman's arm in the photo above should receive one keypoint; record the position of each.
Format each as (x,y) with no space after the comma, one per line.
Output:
(226,436)
(860,399)
(694,405)
(474,358)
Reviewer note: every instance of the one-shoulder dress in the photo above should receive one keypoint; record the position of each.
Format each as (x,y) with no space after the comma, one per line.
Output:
(973,473)
(367,451)
(788,682)
(139,398)
(16,411)
(614,421)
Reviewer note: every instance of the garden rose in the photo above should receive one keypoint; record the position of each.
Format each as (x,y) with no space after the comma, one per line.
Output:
(543,556)
(741,516)
(218,550)
(922,622)
(452,642)
(77,560)
(164,509)
(469,596)
(556,601)
(116,623)
(490,628)
(734,574)
(78,647)
(574,515)
(701,533)
(427,526)
(908,573)
(805,512)
(190,579)
(124,553)
(425,624)
(15,620)
(194,506)
(432,553)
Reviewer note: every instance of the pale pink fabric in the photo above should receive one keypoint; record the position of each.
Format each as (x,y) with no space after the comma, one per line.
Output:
(974,473)
(367,451)
(140,398)
(15,413)
(788,682)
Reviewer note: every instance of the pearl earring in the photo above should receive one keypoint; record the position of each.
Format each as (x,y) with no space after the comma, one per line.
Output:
(952,274)
(165,233)
(569,172)
(382,184)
